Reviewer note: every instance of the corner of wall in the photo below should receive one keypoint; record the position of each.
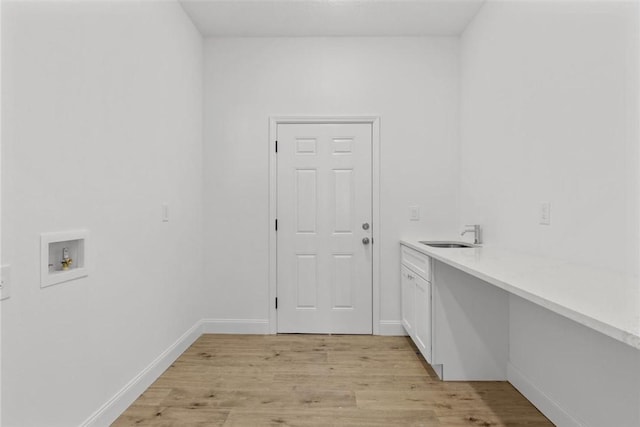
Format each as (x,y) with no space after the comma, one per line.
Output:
(119,402)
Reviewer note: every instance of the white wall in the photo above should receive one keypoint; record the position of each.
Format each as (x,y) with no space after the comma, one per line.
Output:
(411,83)
(101,124)
(549,112)
(0,211)
(592,379)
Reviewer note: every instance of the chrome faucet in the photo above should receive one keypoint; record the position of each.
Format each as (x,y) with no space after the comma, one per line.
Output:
(477,233)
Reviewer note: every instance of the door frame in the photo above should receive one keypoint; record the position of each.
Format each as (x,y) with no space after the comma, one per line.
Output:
(374,121)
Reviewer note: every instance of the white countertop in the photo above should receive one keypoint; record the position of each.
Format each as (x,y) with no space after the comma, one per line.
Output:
(600,299)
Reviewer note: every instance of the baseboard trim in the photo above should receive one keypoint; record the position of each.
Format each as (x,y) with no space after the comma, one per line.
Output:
(540,399)
(115,406)
(235,326)
(391,328)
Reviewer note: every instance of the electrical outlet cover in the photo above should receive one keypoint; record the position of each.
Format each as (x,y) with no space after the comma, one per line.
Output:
(545,213)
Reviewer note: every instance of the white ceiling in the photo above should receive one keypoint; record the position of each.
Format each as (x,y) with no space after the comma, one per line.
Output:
(300,18)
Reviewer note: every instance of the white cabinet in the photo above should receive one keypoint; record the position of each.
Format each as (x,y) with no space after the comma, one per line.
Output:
(408,299)
(423,317)
(458,322)
(415,282)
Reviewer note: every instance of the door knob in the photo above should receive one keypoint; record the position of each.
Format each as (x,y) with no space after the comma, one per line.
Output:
(365,226)
(365,241)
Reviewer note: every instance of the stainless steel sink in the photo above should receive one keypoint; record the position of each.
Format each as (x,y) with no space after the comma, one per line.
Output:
(447,244)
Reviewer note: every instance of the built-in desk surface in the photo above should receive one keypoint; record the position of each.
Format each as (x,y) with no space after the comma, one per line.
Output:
(600,299)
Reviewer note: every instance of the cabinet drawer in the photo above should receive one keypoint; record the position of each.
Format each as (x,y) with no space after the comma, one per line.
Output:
(416,261)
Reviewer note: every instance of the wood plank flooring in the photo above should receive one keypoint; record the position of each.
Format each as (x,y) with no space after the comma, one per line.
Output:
(319,380)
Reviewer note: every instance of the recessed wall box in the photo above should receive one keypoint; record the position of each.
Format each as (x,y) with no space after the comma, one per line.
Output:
(63,257)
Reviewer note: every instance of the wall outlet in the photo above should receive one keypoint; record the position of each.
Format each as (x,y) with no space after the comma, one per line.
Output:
(414,213)
(545,213)
(5,282)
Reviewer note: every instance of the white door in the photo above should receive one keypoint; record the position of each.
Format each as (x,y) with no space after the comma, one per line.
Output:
(324,254)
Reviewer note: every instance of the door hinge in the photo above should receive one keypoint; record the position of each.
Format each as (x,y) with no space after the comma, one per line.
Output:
(276,146)
(276,225)
(276,303)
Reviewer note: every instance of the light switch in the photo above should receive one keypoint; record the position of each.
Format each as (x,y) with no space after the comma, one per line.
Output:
(414,213)
(545,213)
(165,212)
(5,282)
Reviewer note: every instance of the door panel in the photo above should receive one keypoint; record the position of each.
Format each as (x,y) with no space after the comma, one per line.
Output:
(343,281)
(343,199)
(306,200)
(307,281)
(324,277)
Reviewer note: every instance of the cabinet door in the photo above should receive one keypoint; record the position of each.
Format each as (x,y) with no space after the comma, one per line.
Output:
(407,288)
(422,325)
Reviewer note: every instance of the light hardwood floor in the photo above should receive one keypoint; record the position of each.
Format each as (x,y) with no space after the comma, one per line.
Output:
(319,380)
